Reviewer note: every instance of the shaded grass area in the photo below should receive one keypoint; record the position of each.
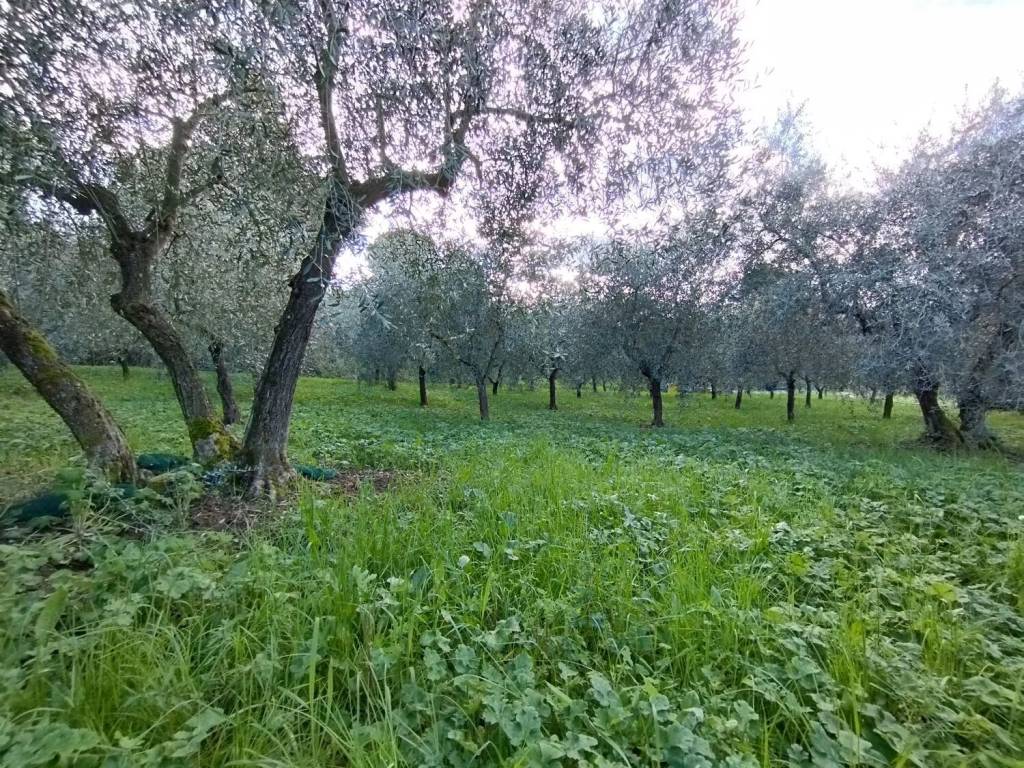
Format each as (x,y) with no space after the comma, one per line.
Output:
(566,588)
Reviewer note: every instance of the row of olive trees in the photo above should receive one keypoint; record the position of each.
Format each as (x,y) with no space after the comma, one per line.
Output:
(156,119)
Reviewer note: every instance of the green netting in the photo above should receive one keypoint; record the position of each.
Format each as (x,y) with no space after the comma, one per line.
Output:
(54,504)
(316,473)
(160,462)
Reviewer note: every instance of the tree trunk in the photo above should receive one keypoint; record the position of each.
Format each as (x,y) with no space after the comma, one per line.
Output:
(224,388)
(552,400)
(821,392)
(123,362)
(210,441)
(494,386)
(423,387)
(790,396)
(264,451)
(604,385)
(739,397)
(874,396)
(771,393)
(714,391)
(658,420)
(593,384)
(481,395)
(973,427)
(938,428)
(807,397)
(887,406)
(392,380)
(94,428)
(579,391)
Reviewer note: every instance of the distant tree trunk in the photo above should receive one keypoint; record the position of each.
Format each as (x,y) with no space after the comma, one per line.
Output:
(481,394)
(494,386)
(604,385)
(771,393)
(655,386)
(579,391)
(423,387)
(887,406)
(821,392)
(714,391)
(748,391)
(92,425)
(938,428)
(874,396)
(552,402)
(739,397)
(807,397)
(224,388)
(376,375)
(791,396)
(391,379)
(123,362)
(593,384)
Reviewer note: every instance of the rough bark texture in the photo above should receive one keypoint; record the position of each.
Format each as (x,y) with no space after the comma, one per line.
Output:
(887,406)
(973,426)
(739,397)
(552,391)
(94,428)
(656,406)
(481,394)
(938,428)
(423,387)
(224,388)
(264,451)
(791,396)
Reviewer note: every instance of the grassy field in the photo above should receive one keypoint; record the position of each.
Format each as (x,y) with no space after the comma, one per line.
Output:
(565,588)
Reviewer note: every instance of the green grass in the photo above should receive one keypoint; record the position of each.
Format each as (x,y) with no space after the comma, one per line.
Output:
(551,588)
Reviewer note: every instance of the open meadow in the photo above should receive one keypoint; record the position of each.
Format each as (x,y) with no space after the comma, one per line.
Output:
(565,587)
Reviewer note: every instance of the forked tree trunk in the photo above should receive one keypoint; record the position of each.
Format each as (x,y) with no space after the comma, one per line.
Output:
(552,390)
(423,387)
(224,388)
(791,396)
(821,392)
(938,428)
(739,397)
(210,441)
(887,405)
(656,406)
(481,396)
(94,428)
(807,397)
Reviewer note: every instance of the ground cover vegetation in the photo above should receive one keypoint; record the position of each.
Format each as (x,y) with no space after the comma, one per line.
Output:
(463,383)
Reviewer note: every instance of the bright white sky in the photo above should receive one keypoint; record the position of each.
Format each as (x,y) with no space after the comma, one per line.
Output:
(873,73)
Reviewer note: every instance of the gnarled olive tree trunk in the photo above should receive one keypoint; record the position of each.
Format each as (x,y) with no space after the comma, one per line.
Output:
(938,428)
(658,419)
(481,395)
(224,388)
(92,425)
(887,405)
(135,255)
